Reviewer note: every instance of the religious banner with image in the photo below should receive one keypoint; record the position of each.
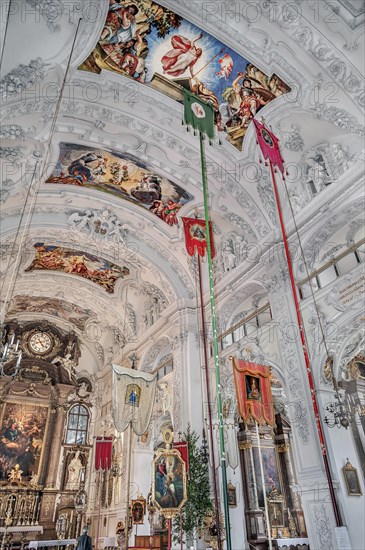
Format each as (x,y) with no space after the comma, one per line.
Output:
(253,388)
(269,145)
(133,399)
(195,236)
(198,114)
(169,491)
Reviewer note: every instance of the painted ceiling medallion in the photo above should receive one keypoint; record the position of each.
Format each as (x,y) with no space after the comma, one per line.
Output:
(82,264)
(153,45)
(121,175)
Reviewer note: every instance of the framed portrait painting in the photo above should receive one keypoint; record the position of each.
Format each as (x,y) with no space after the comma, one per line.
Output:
(232,495)
(138,510)
(352,480)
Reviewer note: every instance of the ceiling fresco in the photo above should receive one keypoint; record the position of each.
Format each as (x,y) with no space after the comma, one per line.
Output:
(52,306)
(122,175)
(82,264)
(153,45)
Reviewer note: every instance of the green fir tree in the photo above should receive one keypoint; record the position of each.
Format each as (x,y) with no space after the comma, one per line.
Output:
(199,502)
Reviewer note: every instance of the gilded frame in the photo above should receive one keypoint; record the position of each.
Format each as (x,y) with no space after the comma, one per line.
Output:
(137,505)
(232,495)
(168,468)
(25,404)
(352,480)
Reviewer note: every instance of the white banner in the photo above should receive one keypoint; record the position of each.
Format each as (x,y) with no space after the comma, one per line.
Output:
(133,398)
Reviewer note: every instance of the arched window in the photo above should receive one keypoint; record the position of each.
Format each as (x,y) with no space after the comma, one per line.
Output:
(165,369)
(77,425)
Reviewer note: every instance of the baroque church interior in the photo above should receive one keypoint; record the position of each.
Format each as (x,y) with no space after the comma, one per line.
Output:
(119,343)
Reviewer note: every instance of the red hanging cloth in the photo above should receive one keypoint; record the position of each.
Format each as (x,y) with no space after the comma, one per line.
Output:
(103,453)
(182,447)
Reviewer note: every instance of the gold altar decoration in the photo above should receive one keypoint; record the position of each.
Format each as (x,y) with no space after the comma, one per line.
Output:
(208,532)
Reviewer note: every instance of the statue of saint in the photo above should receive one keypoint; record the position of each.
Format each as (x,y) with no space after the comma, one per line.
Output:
(73,472)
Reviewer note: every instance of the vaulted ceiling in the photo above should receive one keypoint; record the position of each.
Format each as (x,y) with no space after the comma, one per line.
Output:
(53,223)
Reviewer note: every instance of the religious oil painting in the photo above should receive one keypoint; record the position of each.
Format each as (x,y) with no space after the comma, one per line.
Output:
(22,436)
(133,395)
(169,480)
(253,390)
(153,45)
(352,480)
(121,175)
(82,264)
(271,472)
(52,306)
(138,510)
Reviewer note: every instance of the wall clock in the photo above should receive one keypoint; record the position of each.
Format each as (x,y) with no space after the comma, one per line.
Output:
(40,342)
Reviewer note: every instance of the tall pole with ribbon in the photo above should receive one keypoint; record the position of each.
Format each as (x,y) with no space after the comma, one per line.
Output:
(201,117)
(195,240)
(269,145)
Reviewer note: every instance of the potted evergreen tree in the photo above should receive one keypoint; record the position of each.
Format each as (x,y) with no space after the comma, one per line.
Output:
(199,502)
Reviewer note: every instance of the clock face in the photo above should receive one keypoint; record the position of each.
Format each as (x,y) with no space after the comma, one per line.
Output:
(40,342)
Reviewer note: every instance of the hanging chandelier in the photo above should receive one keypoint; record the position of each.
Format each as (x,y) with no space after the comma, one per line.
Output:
(10,353)
(339,413)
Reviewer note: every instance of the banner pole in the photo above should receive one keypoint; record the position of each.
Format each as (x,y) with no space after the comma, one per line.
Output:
(264,488)
(99,511)
(169,534)
(305,353)
(215,348)
(207,382)
(126,527)
(181,531)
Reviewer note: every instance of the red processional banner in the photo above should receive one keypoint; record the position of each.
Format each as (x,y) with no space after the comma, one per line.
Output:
(103,453)
(195,236)
(182,447)
(269,145)
(253,390)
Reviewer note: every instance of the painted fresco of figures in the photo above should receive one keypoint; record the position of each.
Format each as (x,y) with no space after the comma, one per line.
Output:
(52,306)
(120,26)
(83,264)
(183,56)
(121,175)
(153,45)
